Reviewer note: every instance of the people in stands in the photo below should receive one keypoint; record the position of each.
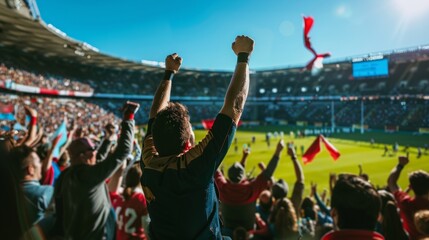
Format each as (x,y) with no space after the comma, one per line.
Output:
(177,176)
(264,204)
(28,169)
(132,218)
(355,209)
(419,183)
(280,189)
(26,78)
(82,201)
(14,217)
(421,221)
(389,224)
(284,221)
(308,218)
(324,221)
(238,195)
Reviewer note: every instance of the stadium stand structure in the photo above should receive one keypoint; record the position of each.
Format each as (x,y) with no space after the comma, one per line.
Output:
(36,58)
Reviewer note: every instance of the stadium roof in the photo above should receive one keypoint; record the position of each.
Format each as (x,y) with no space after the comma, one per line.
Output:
(18,30)
(21,31)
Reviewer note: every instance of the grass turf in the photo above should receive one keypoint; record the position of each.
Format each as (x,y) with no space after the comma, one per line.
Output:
(353,153)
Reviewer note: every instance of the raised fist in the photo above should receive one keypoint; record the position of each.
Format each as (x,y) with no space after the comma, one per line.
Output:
(246,152)
(291,149)
(30,111)
(243,44)
(403,160)
(130,107)
(280,146)
(173,62)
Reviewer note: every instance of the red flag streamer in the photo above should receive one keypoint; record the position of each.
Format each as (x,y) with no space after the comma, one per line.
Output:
(308,24)
(335,154)
(312,151)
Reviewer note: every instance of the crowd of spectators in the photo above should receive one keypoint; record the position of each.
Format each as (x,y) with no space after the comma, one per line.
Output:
(88,117)
(26,78)
(378,114)
(267,209)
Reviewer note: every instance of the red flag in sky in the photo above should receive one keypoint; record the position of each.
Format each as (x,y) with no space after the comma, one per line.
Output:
(314,149)
(308,24)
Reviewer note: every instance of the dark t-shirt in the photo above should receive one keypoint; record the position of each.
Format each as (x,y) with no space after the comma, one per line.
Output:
(82,197)
(180,190)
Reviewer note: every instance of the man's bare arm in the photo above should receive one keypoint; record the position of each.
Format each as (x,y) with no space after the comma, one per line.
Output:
(299,173)
(30,139)
(238,89)
(392,181)
(162,94)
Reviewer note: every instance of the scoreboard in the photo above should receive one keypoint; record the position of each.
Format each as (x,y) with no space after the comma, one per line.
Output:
(368,67)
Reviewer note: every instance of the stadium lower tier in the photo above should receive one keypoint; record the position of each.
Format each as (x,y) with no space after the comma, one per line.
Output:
(392,115)
(402,115)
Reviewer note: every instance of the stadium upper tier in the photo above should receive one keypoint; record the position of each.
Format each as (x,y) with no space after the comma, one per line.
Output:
(407,76)
(44,57)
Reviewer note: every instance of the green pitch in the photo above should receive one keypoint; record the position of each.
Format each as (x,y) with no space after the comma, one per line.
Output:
(353,153)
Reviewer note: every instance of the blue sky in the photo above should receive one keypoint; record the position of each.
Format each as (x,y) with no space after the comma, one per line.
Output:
(202,31)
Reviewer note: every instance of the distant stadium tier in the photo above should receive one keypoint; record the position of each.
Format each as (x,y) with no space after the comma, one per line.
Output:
(10,85)
(374,66)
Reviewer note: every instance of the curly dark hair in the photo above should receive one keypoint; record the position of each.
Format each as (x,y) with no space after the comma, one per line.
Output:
(419,182)
(357,203)
(171,129)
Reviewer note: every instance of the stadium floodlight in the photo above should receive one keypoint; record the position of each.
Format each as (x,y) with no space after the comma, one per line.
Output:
(262,90)
(274,90)
(303,89)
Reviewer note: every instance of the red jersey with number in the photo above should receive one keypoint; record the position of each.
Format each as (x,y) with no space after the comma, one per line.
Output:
(129,215)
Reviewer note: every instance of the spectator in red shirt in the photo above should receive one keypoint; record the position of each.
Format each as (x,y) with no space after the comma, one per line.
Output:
(132,218)
(419,183)
(238,195)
